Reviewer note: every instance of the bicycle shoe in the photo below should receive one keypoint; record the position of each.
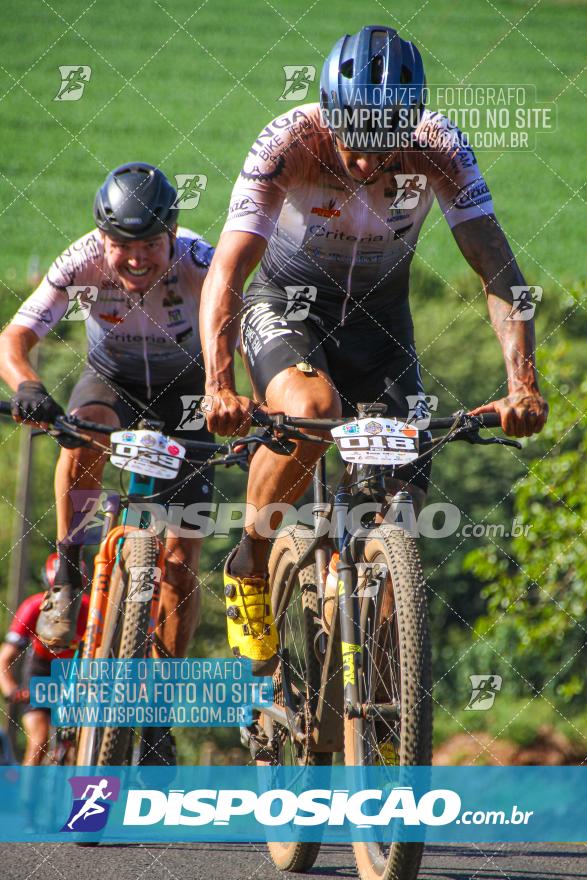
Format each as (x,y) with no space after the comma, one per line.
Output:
(56,624)
(249,618)
(157,748)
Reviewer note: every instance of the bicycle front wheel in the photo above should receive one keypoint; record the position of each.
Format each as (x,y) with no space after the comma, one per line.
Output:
(395,675)
(133,581)
(300,668)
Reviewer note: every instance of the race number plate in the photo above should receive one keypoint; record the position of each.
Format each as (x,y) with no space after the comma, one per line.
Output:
(377,441)
(147,453)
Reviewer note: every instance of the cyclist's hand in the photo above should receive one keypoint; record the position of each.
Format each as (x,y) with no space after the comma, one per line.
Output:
(522,413)
(20,695)
(228,414)
(31,402)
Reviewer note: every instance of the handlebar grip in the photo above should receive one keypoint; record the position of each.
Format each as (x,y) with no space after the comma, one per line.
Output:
(5,409)
(261,419)
(490,420)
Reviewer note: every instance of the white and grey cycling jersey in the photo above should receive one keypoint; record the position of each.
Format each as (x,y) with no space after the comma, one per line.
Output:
(148,340)
(352,241)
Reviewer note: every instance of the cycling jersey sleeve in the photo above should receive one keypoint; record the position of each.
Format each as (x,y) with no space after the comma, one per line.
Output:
(46,306)
(458,184)
(43,309)
(273,166)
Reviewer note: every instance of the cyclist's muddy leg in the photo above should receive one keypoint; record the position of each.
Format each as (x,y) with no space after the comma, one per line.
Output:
(283,479)
(180,596)
(77,470)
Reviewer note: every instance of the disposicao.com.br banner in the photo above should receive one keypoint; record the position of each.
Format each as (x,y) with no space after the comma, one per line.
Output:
(331,805)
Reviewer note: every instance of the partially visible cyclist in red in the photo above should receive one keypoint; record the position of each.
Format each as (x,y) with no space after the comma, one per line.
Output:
(21,637)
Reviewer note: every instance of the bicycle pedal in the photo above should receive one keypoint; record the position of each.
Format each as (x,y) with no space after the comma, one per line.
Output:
(261,752)
(256,741)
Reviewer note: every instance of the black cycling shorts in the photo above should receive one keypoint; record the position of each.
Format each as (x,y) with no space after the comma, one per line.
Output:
(33,666)
(130,405)
(368,360)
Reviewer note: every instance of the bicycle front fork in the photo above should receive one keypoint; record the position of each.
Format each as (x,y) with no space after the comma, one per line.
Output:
(348,607)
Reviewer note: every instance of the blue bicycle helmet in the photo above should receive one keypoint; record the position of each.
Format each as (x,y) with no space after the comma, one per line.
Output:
(372,88)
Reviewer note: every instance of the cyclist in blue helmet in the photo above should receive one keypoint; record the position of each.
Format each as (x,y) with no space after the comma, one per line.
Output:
(373,91)
(329,205)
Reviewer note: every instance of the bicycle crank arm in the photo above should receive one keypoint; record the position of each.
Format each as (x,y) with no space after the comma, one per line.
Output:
(285,719)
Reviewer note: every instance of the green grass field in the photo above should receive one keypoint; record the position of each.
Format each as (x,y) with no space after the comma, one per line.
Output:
(188,87)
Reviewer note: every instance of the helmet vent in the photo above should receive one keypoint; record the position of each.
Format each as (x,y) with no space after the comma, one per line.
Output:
(347,68)
(405,75)
(377,70)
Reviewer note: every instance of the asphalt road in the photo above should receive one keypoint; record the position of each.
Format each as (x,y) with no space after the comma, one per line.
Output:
(65,861)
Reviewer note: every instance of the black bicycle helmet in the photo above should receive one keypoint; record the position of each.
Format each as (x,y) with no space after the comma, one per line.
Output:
(135,201)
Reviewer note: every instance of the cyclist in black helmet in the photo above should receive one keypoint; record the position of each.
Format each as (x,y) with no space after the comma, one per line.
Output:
(136,281)
(329,205)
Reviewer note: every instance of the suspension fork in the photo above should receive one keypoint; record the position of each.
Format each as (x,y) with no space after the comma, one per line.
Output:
(348,609)
(320,511)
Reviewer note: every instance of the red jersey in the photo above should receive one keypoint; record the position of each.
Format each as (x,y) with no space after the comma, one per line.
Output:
(22,630)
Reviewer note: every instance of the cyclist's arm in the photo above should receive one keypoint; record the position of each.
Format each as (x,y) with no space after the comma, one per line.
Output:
(236,256)
(38,314)
(486,249)
(15,345)
(8,656)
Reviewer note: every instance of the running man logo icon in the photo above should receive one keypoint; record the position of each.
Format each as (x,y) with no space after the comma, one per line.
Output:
(143,580)
(89,507)
(80,302)
(73,82)
(193,417)
(484,689)
(297,81)
(189,189)
(524,304)
(409,189)
(92,798)
(421,406)
(299,300)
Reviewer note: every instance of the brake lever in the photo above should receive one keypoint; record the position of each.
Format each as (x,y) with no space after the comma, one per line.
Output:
(67,436)
(472,435)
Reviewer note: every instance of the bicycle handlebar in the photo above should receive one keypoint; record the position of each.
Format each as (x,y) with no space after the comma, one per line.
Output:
(463,425)
(277,420)
(69,421)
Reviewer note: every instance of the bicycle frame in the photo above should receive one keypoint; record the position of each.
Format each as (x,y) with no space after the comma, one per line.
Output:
(339,694)
(104,562)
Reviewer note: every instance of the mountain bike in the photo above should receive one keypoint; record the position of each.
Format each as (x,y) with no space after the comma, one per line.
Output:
(129,566)
(354,670)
